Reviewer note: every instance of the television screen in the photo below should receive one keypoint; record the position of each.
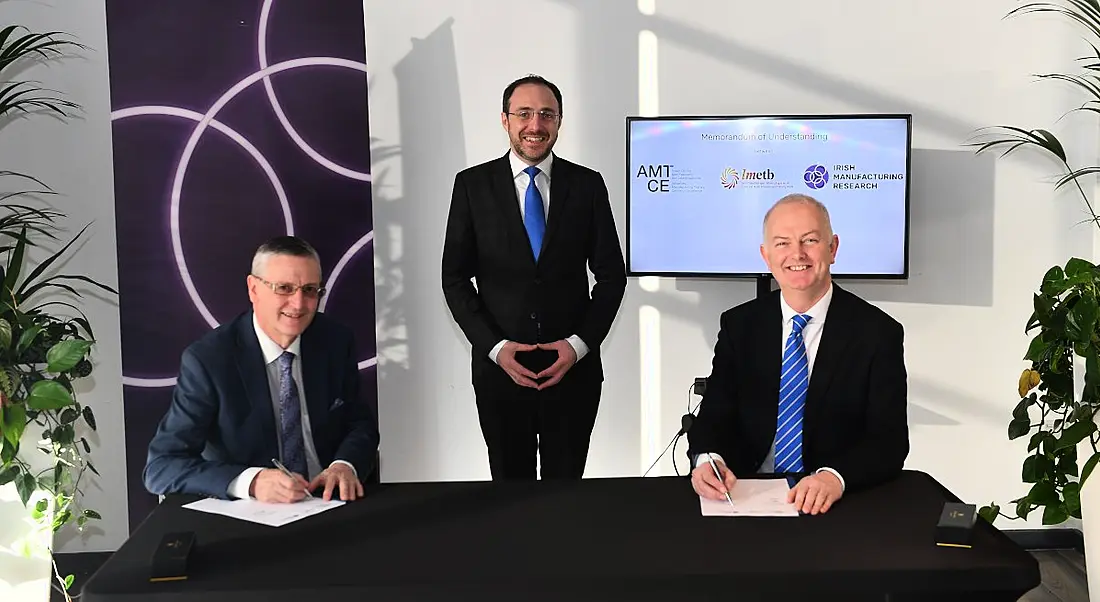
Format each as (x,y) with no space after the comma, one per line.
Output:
(699,188)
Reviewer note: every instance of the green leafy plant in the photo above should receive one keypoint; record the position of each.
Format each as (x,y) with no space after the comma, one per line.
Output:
(45,340)
(1065,322)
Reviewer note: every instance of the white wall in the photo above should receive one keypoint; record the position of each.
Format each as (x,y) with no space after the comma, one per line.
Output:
(74,159)
(983,233)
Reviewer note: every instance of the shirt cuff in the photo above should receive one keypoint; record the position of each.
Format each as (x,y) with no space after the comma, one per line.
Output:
(701,459)
(835,473)
(579,347)
(349,465)
(238,487)
(496,351)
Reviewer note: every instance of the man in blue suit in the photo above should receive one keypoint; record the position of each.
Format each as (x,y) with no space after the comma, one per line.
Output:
(278,382)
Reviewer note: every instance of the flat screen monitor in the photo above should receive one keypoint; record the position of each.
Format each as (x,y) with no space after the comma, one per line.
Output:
(698,189)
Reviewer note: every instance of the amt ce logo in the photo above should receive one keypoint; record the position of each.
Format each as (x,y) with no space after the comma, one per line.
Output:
(657,176)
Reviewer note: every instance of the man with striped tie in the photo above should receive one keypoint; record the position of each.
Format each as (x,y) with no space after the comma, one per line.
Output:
(791,392)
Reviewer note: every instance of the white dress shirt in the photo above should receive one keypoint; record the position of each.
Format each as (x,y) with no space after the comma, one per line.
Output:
(239,487)
(542,183)
(811,336)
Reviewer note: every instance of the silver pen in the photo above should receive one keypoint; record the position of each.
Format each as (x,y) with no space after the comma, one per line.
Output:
(719,475)
(284,470)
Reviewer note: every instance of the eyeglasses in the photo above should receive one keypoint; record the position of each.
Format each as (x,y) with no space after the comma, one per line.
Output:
(526,115)
(287,289)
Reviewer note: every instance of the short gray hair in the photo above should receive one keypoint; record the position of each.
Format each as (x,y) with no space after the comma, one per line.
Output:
(282,245)
(802,199)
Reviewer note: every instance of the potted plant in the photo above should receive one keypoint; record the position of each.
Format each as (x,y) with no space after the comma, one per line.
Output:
(1064,324)
(45,340)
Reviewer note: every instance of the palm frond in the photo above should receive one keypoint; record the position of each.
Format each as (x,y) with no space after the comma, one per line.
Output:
(1014,137)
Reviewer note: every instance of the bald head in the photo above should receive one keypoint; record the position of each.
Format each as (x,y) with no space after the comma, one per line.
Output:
(801,199)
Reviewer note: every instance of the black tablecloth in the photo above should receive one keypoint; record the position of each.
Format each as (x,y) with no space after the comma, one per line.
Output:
(596,539)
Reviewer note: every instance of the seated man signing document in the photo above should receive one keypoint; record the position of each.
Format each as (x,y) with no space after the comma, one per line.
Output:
(809,381)
(267,406)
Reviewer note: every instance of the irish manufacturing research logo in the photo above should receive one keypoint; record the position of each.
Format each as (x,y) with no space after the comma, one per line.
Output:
(847,176)
(816,177)
(729,177)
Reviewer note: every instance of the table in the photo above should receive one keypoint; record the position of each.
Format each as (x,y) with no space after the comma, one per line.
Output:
(595,539)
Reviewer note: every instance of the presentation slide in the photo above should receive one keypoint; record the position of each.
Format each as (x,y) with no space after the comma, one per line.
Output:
(699,189)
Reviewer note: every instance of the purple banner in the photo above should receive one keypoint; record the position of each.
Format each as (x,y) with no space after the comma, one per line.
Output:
(233,121)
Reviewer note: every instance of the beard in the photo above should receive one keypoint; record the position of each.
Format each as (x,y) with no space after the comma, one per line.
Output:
(533,158)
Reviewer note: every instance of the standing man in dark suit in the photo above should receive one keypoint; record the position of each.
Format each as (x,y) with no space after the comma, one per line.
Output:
(790,392)
(278,382)
(527,227)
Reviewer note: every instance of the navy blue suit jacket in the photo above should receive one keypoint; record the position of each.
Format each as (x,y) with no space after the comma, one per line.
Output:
(221,420)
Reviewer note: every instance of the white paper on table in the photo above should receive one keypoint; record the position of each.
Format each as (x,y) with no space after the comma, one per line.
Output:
(274,515)
(752,497)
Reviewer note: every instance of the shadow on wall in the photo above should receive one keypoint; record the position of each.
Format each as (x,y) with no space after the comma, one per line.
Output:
(625,17)
(410,246)
(606,83)
(950,233)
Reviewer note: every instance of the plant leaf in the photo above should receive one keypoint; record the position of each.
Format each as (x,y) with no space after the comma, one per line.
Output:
(9,473)
(5,334)
(49,395)
(1018,428)
(1055,514)
(15,420)
(64,356)
(89,418)
(69,416)
(1090,464)
(989,512)
(1075,434)
(25,487)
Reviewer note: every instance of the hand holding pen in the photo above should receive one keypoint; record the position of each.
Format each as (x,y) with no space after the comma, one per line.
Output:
(713,480)
(285,471)
(718,474)
(278,485)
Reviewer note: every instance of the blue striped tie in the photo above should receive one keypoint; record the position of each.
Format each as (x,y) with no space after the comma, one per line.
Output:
(533,217)
(793,383)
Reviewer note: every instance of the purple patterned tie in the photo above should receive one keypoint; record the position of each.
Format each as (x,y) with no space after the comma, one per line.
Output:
(290,409)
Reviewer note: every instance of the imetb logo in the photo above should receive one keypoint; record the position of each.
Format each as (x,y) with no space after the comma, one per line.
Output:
(729,177)
(763,178)
(816,177)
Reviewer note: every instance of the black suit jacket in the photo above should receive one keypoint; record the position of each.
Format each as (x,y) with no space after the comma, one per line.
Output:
(855,412)
(221,420)
(515,298)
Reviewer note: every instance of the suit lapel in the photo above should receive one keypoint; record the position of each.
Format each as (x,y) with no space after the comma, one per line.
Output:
(835,337)
(313,377)
(560,187)
(770,331)
(250,365)
(504,194)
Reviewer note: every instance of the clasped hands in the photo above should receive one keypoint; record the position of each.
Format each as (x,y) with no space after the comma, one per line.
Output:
(523,376)
(272,486)
(814,494)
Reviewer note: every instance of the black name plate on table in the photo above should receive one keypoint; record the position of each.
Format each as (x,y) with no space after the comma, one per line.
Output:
(956,525)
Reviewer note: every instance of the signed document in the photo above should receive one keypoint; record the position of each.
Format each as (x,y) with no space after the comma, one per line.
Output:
(752,497)
(274,515)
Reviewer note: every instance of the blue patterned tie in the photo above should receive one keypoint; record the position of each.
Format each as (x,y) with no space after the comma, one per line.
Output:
(290,408)
(793,383)
(533,217)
